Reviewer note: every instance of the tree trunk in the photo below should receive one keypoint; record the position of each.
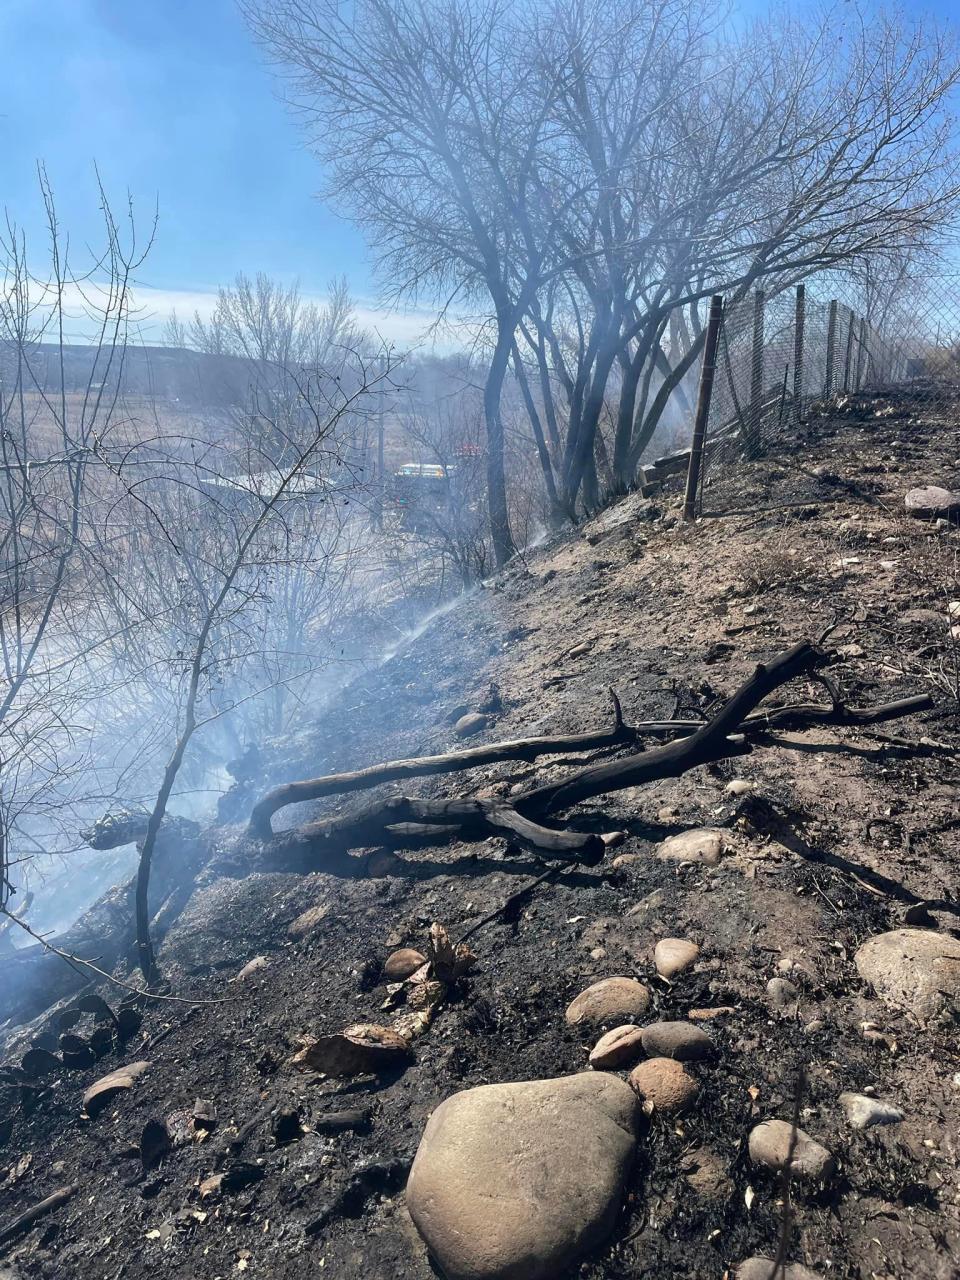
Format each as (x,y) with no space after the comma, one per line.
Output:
(501,537)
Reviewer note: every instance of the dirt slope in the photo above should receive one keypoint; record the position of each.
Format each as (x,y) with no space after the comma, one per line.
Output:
(845,831)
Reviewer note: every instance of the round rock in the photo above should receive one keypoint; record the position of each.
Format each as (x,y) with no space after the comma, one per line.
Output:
(681,1041)
(703,844)
(932,502)
(617,1048)
(665,1084)
(916,969)
(468,725)
(400,964)
(674,955)
(769,1145)
(612,1000)
(519,1181)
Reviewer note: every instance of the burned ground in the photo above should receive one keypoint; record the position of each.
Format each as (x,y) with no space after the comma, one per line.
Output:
(845,830)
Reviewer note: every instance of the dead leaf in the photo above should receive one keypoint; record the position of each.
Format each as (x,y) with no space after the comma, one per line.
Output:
(449,962)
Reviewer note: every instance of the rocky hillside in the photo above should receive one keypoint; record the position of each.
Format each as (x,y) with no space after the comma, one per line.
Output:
(732,1038)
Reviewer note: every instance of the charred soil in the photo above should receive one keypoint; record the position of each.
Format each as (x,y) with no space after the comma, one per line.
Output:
(843,832)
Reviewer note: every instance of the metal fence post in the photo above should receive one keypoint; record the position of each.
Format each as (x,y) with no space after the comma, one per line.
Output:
(707,369)
(798,355)
(848,358)
(756,378)
(831,344)
(861,352)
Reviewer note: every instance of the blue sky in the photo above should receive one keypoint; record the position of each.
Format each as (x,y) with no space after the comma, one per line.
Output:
(174,102)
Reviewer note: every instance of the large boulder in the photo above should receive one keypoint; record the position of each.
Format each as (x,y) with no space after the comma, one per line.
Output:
(914,969)
(518,1181)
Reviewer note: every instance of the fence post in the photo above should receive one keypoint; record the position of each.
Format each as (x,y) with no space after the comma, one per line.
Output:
(831,344)
(707,369)
(861,352)
(798,355)
(848,359)
(756,378)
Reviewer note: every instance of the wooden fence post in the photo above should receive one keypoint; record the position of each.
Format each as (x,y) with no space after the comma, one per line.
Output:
(798,355)
(831,345)
(756,378)
(707,370)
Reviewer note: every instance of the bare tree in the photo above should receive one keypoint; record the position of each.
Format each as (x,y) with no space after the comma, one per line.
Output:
(589,171)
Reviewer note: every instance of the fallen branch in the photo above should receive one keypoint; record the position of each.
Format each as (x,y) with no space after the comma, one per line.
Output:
(423,766)
(727,733)
(30,1216)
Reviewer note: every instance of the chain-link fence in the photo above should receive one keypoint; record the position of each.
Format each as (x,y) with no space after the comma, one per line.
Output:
(779,357)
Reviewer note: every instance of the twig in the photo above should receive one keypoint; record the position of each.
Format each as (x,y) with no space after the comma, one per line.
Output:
(75,962)
(513,898)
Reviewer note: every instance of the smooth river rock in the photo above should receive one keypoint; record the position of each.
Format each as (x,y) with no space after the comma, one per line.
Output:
(679,1040)
(609,1001)
(769,1145)
(673,956)
(519,1181)
(915,969)
(618,1048)
(703,844)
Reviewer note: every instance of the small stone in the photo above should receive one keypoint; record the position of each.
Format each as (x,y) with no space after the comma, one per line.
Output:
(664,1084)
(863,1112)
(251,967)
(519,1181)
(931,502)
(473,722)
(613,838)
(673,956)
(762,1269)
(617,1048)
(679,1040)
(669,813)
(579,650)
(814,1027)
(401,964)
(626,860)
(782,995)
(769,1145)
(703,844)
(612,1000)
(740,787)
(708,1015)
(916,969)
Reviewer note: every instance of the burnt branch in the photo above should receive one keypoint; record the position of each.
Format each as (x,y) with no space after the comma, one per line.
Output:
(727,733)
(423,766)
